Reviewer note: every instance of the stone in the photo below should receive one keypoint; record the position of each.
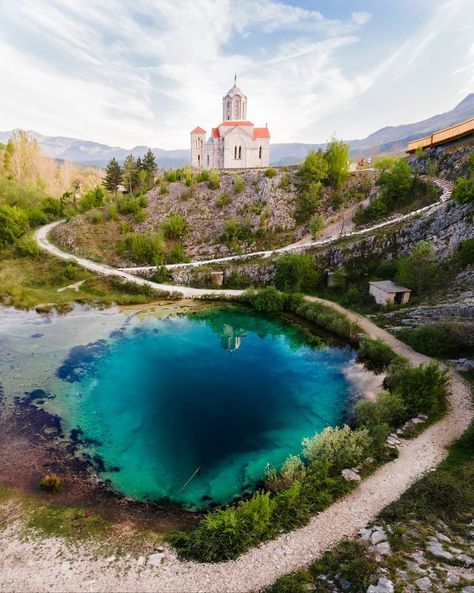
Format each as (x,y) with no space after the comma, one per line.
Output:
(378,536)
(393,441)
(423,584)
(365,534)
(155,559)
(452,579)
(466,560)
(383,548)
(141,561)
(350,476)
(345,585)
(468,589)
(442,537)
(436,549)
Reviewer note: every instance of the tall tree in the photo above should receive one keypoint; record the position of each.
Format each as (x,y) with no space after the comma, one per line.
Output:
(149,165)
(113,176)
(21,158)
(337,158)
(130,173)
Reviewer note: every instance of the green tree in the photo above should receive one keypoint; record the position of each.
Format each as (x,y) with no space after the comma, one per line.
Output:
(337,159)
(149,165)
(130,173)
(315,225)
(313,170)
(296,273)
(396,184)
(463,191)
(308,202)
(113,176)
(13,224)
(420,270)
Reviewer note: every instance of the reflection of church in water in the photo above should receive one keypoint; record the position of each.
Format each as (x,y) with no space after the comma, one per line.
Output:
(231,337)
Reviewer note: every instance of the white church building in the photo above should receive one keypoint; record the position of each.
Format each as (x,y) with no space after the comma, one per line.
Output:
(235,143)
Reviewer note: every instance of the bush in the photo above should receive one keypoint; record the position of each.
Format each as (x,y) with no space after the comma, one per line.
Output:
(51,483)
(140,216)
(128,205)
(270,172)
(13,224)
(292,470)
(339,447)
(420,270)
(337,158)
(268,300)
(308,202)
(28,247)
(177,254)
(285,182)
(214,179)
(465,252)
(239,184)
(315,225)
(296,273)
(313,170)
(235,231)
(144,249)
(91,199)
(441,340)
(422,388)
(388,408)
(223,200)
(326,317)
(463,191)
(375,354)
(174,227)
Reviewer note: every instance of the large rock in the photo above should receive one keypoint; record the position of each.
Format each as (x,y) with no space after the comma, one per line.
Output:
(437,550)
(423,584)
(350,475)
(378,536)
(384,585)
(155,559)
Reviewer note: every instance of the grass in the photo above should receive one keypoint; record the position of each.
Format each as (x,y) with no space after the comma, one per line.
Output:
(27,282)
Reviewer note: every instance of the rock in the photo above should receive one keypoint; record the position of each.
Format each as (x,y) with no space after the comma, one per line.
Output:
(350,475)
(466,560)
(437,550)
(378,536)
(452,579)
(155,559)
(383,548)
(141,561)
(365,534)
(414,567)
(468,589)
(345,585)
(442,537)
(423,584)
(393,440)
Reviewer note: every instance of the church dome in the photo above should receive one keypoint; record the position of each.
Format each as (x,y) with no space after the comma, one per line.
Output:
(235,91)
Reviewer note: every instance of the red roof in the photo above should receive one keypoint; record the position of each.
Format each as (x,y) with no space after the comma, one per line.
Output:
(215,133)
(198,130)
(261,133)
(236,123)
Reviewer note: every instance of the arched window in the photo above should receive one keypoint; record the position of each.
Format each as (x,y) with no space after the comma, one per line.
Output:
(240,152)
(208,160)
(199,159)
(235,152)
(260,152)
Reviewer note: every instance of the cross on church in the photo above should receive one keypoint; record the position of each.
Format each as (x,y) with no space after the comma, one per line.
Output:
(235,79)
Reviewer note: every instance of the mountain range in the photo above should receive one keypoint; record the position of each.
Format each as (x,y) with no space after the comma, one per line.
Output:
(392,139)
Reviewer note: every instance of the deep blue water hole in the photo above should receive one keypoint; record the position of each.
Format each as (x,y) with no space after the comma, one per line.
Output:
(225,390)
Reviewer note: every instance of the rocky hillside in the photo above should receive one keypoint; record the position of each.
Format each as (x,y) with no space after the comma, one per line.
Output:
(248,211)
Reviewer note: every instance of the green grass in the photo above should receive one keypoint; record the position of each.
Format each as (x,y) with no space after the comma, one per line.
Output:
(26,282)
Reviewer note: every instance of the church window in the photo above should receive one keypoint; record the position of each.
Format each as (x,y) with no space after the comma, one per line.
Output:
(260,152)
(235,152)
(208,160)
(240,152)
(199,159)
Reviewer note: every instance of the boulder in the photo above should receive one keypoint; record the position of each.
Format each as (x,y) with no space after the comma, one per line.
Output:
(437,550)
(378,536)
(155,559)
(384,585)
(141,561)
(466,560)
(423,584)
(383,548)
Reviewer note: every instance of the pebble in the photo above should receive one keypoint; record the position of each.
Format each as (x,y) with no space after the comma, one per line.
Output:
(423,584)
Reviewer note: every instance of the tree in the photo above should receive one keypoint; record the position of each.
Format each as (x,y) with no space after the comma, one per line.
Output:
(13,223)
(463,191)
(337,159)
(130,173)
(113,176)
(396,184)
(419,270)
(308,202)
(384,162)
(149,165)
(313,170)
(296,273)
(21,158)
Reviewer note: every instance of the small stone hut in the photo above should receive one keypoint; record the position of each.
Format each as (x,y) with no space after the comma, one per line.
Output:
(387,292)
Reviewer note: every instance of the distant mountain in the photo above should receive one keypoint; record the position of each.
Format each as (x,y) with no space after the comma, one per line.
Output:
(392,139)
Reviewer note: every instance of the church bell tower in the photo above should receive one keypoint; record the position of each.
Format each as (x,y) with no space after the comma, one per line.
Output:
(234,104)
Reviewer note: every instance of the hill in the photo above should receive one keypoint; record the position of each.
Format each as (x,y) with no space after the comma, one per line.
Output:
(390,139)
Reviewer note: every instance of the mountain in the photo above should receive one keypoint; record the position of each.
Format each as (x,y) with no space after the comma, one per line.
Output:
(392,139)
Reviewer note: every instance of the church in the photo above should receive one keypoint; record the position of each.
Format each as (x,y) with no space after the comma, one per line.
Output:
(235,143)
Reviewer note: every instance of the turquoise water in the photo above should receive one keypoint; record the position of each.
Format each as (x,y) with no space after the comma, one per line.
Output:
(225,391)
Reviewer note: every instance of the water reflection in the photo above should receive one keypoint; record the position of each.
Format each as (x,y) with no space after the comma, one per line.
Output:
(231,337)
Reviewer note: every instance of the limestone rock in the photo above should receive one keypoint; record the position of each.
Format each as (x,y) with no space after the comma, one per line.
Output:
(437,550)
(155,559)
(383,548)
(378,536)
(466,560)
(350,475)
(423,584)
(141,561)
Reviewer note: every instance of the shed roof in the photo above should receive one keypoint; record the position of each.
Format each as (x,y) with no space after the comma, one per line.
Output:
(389,286)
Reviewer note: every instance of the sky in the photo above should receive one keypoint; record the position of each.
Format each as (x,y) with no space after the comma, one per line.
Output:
(147,72)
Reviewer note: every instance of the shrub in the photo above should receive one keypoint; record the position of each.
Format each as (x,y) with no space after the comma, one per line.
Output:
(144,249)
(27,247)
(463,191)
(13,224)
(442,340)
(420,270)
(203,175)
(337,158)
(91,199)
(37,217)
(128,205)
(326,317)
(177,254)
(239,184)
(339,447)
(388,408)
(465,253)
(51,483)
(285,182)
(234,231)
(174,227)
(268,300)
(422,388)
(315,225)
(140,216)
(313,170)
(292,470)
(308,202)
(270,172)
(375,354)
(223,200)
(214,179)
(296,273)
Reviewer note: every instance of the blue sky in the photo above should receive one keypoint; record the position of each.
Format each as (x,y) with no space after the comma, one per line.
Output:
(147,72)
